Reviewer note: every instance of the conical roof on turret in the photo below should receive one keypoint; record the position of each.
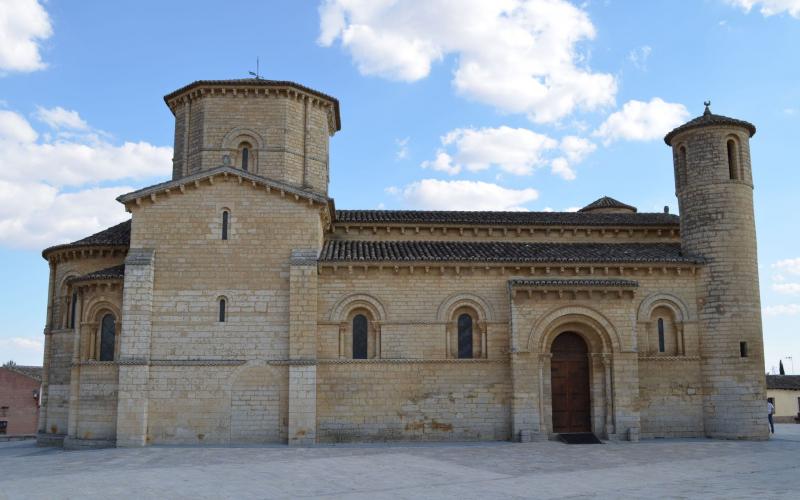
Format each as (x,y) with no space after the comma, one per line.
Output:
(709,119)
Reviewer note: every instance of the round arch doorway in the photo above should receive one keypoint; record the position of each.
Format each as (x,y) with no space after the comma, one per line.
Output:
(569,378)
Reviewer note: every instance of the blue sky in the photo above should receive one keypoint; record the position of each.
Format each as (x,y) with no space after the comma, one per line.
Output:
(514,104)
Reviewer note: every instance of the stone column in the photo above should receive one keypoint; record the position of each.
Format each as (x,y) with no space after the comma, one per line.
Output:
(377,326)
(42,425)
(134,359)
(303,347)
(75,370)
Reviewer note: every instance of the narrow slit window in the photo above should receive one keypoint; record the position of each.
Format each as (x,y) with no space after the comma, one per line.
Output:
(743,349)
(225,216)
(465,336)
(733,160)
(108,335)
(245,158)
(360,333)
(661,346)
(222,304)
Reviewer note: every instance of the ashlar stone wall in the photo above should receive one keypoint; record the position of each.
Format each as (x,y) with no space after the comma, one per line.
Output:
(213,381)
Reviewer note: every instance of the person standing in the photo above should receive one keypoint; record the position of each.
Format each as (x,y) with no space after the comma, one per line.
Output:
(770,412)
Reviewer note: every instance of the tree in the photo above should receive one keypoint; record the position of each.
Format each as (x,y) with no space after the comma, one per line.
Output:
(780,368)
(9,364)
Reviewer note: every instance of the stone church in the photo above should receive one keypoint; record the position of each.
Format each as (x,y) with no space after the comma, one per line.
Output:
(238,305)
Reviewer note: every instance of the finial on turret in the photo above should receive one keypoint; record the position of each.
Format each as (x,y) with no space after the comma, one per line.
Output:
(257,74)
(707,104)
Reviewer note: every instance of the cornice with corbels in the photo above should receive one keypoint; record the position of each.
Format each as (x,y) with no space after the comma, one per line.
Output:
(510,269)
(85,252)
(494,231)
(227,90)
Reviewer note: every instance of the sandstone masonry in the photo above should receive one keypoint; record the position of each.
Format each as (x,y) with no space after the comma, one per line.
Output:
(238,306)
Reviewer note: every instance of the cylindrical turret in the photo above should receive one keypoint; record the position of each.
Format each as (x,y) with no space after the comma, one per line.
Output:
(714,186)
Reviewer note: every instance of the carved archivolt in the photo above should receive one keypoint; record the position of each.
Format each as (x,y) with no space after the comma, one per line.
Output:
(458,300)
(95,306)
(344,306)
(599,333)
(233,138)
(668,300)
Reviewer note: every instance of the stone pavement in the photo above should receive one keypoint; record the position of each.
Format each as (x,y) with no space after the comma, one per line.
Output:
(677,468)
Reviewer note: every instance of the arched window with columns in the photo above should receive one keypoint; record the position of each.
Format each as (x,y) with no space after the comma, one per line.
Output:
(664,340)
(355,314)
(663,319)
(466,337)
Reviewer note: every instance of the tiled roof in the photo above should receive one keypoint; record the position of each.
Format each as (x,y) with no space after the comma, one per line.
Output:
(119,235)
(34,372)
(257,82)
(706,119)
(787,382)
(606,202)
(504,218)
(575,283)
(462,251)
(108,273)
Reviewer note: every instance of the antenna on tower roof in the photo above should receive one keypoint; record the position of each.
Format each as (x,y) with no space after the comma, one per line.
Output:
(257,74)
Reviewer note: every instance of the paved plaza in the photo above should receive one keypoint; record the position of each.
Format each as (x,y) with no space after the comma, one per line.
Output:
(678,468)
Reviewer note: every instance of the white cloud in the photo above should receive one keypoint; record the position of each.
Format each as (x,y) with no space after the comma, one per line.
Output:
(49,189)
(442,163)
(576,148)
(22,350)
(560,166)
(770,7)
(24,24)
(60,118)
(791,266)
(514,150)
(782,310)
(642,121)
(517,151)
(433,194)
(14,128)
(402,148)
(786,287)
(638,57)
(520,56)
(572,209)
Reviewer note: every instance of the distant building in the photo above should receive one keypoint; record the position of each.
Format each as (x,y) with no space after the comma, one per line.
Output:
(19,400)
(239,306)
(784,390)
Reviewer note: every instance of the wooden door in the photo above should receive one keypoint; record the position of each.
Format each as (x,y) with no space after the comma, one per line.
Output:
(569,378)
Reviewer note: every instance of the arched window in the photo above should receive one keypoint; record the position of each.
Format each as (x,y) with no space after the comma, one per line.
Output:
(465,336)
(73,309)
(733,160)
(225,217)
(222,305)
(108,334)
(661,338)
(360,336)
(246,158)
